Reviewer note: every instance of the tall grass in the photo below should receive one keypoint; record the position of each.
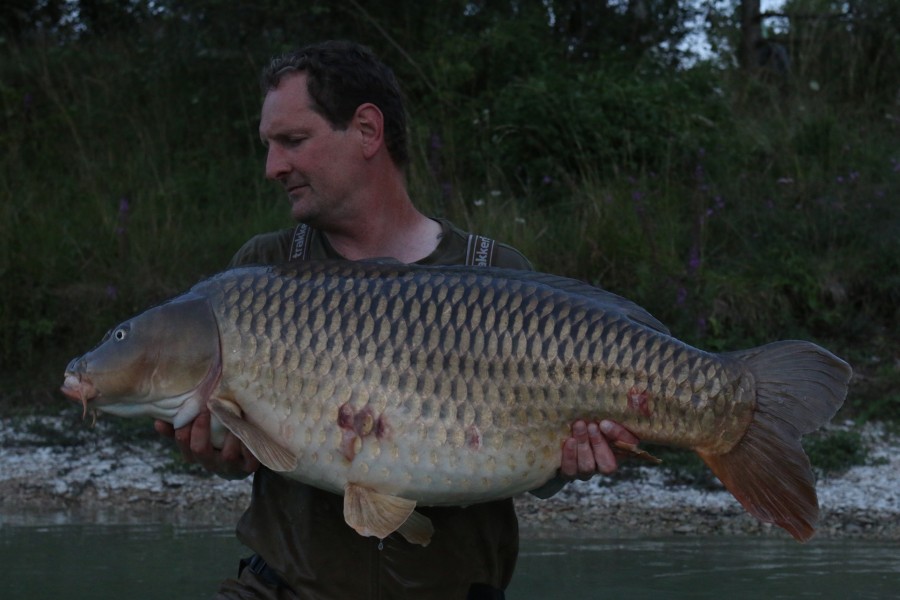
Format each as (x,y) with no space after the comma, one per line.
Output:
(735,212)
(121,186)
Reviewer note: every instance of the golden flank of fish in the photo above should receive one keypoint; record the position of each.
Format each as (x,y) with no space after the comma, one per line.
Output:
(397,385)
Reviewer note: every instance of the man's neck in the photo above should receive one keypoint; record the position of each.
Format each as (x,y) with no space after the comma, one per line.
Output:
(404,234)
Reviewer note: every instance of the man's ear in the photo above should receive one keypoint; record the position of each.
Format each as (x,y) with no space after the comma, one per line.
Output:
(369,122)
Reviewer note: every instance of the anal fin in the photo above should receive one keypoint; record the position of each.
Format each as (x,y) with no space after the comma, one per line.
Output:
(417,529)
(636,452)
(373,514)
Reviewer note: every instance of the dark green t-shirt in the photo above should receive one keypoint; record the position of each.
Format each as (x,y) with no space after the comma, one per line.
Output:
(300,530)
(276,247)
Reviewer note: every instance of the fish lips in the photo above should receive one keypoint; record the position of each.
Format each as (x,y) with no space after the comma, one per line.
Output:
(77,386)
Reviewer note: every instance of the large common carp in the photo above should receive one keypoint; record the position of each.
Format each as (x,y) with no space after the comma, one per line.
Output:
(398,385)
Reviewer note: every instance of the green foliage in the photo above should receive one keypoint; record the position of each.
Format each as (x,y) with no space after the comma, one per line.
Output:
(878,388)
(556,125)
(738,209)
(848,49)
(836,451)
(108,186)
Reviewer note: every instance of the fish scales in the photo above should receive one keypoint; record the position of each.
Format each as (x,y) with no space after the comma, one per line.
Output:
(439,386)
(399,385)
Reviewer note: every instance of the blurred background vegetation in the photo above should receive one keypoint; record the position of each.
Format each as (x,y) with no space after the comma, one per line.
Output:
(734,171)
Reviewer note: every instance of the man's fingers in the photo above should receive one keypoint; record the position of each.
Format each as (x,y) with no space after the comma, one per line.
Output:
(603,456)
(164,429)
(183,435)
(251,463)
(614,431)
(586,454)
(232,448)
(199,442)
(194,441)
(569,465)
(589,451)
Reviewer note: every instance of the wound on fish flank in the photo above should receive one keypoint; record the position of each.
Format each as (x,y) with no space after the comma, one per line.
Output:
(473,438)
(382,428)
(639,401)
(402,385)
(350,445)
(357,425)
(364,422)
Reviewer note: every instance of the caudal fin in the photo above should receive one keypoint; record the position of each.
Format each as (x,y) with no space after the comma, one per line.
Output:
(799,386)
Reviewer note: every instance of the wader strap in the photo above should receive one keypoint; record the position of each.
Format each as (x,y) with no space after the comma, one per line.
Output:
(301,241)
(261,569)
(479,251)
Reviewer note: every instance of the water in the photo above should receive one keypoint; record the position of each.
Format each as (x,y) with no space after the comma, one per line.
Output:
(166,561)
(101,562)
(729,568)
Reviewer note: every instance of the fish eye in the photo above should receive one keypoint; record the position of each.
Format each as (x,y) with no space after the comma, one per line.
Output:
(120,333)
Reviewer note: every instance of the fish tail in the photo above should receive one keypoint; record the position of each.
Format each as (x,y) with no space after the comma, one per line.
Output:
(799,387)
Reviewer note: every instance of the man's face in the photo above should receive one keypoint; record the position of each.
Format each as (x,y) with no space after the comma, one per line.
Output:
(311,159)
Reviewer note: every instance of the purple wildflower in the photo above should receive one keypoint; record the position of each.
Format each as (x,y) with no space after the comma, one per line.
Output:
(694,260)
(701,325)
(124,209)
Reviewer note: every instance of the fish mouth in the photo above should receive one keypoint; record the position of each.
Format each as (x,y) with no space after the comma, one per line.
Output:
(79,389)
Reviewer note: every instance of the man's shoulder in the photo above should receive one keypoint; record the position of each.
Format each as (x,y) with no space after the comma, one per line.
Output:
(508,257)
(264,248)
(500,254)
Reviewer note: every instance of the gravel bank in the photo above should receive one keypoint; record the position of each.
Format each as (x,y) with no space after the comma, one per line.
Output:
(61,466)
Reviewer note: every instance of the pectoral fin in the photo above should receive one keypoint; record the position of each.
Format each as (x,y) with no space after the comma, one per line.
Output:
(268,451)
(379,515)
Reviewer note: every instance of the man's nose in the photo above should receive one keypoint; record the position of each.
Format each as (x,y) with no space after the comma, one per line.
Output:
(276,163)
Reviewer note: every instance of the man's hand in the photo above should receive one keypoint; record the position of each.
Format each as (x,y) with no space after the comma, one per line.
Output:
(589,450)
(233,461)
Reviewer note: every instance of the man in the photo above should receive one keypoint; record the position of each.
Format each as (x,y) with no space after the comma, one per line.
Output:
(334,124)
